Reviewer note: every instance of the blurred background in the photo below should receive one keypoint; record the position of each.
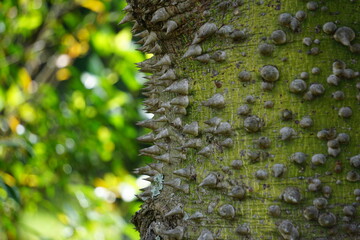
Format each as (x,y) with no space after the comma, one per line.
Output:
(69,101)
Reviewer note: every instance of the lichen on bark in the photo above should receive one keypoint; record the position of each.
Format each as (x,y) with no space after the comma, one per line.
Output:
(256,111)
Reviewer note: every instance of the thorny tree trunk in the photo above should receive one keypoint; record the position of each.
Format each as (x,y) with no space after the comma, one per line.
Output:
(256,125)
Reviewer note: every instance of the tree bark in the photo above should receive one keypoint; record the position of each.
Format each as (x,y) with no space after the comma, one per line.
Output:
(256,119)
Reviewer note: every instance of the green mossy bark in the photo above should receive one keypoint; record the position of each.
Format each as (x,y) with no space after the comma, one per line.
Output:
(292,58)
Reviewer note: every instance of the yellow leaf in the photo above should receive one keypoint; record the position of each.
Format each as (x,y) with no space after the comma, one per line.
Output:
(27,112)
(25,79)
(93,5)
(84,47)
(68,40)
(30,180)
(149,55)
(98,182)
(8,179)
(13,122)
(75,50)
(104,134)
(14,96)
(63,218)
(63,74)
(83,34)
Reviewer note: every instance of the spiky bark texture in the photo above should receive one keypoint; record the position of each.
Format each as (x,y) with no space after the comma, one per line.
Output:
(256,125)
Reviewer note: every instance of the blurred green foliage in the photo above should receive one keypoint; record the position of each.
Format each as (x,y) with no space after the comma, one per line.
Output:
(69,100)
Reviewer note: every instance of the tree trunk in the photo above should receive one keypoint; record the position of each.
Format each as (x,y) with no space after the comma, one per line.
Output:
(256,119)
